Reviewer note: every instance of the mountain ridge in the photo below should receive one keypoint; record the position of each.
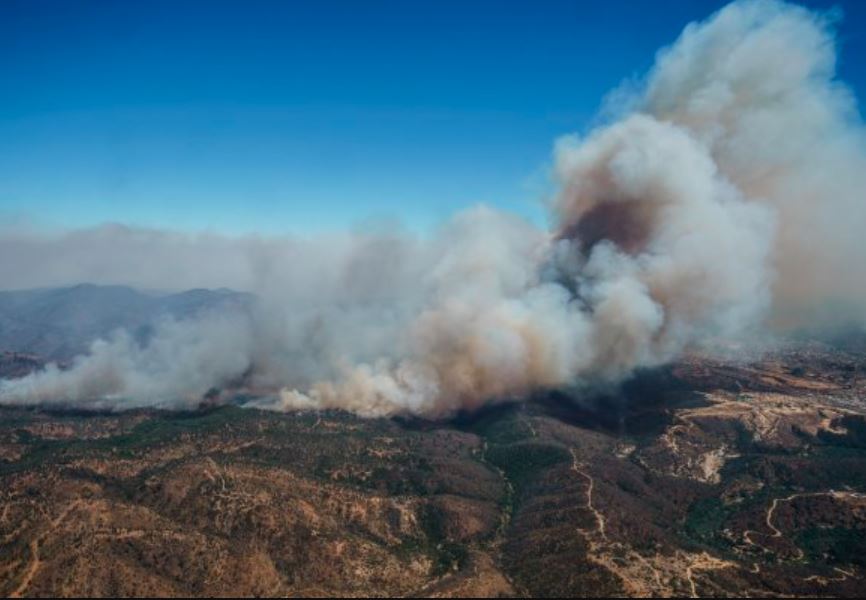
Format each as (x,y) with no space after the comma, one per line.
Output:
(57,324)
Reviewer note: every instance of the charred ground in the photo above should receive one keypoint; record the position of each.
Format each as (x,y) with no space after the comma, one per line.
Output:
(711,477)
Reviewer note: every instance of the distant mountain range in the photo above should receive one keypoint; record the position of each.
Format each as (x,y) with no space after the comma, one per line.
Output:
(59,323)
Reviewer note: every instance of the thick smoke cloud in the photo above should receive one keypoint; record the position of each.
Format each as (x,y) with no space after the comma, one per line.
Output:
(729,196)
(756,86)
(176,368)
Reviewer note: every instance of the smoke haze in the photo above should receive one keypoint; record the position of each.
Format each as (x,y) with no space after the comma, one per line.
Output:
(727,197)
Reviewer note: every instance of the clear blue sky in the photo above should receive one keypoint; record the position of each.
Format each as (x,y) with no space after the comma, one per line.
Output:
(302,116)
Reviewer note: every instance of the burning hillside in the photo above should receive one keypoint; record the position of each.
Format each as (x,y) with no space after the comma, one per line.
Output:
(709,478)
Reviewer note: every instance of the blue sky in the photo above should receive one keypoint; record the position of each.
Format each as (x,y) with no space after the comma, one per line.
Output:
(299,117)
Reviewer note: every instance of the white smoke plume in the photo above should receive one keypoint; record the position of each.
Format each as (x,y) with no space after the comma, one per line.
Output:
(729,196)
